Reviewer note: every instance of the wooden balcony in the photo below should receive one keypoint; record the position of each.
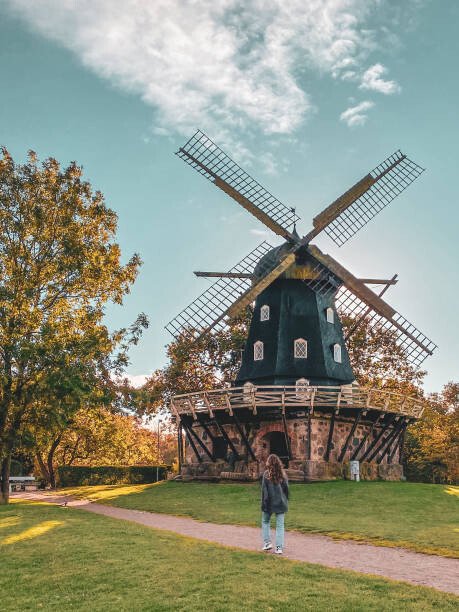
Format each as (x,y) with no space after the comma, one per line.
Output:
(289,397)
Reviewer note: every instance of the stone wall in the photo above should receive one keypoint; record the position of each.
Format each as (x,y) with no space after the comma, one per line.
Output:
(316,468)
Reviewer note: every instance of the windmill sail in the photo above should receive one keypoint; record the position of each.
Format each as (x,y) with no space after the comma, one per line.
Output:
(213,163)
(210,308)
(415,345)
(360,204)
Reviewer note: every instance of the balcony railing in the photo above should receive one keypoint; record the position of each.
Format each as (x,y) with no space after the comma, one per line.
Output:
(258,398)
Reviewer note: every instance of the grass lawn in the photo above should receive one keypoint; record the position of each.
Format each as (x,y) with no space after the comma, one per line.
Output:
(55,558)
(419,516)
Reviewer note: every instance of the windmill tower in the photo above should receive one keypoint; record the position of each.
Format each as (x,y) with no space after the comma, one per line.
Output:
(293,394)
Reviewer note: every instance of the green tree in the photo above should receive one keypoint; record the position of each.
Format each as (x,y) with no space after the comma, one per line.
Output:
(59,266)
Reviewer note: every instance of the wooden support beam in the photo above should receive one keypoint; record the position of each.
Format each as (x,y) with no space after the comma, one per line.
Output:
(192,444)
(309,441)
(227,438)
(206,429)
(224,274)
(390,441)
(365,438)
(244,438)
(396,443)
(330,436)
(378,437)
(179,447)
(228,404)
(287,440)
(201,444)
(378,281)
(386,443)
(349,437)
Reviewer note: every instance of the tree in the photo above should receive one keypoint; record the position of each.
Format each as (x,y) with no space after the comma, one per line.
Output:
(207,363)
(59,267)
(378,360)
(97,436)
(432,445)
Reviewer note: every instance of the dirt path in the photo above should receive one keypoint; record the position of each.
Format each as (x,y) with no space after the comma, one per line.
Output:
(396,563)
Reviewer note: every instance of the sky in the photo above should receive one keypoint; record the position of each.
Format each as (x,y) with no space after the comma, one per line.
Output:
(306,96)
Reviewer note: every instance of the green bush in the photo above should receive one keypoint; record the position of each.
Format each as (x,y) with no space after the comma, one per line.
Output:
(75,476)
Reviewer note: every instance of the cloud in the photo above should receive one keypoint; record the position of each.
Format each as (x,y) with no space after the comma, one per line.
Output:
(372,80)
(356,115)
(260,233)
(136,380)
(225,66)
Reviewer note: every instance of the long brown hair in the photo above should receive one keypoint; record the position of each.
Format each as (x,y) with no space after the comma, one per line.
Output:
(275,469)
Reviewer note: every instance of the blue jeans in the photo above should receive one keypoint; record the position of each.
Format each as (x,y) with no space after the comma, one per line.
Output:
(265,528)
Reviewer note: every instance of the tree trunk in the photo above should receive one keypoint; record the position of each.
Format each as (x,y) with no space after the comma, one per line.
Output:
(42,466)
(5,480)
(49,462)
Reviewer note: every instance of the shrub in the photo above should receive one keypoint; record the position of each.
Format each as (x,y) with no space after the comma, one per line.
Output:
(74,476)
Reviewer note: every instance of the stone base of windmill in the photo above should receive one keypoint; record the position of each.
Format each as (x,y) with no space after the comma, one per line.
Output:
(320,433)
(306,437)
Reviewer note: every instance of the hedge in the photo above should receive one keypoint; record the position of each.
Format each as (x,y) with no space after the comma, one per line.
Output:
(75,476)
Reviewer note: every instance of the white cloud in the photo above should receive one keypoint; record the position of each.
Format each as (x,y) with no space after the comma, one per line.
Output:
(356,115)
(222,65)
(372,80)
(260,233)
(136,380)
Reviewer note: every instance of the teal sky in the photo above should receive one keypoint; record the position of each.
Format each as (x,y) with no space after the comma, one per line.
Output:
(308,96)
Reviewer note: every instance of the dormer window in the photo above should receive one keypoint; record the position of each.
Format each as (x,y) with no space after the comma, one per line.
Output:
(264,313)
(258,351)
(300,350)
(330,315)
(337,353)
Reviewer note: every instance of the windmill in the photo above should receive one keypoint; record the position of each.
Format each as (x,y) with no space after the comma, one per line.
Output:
(299,292)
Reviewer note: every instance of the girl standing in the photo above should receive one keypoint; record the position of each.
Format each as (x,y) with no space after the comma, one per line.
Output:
(274,500)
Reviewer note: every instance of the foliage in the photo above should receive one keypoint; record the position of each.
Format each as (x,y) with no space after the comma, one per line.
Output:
(432,444)
(413,515)
(209,362)
(378,360)
(75,476)
(98,436)
(59,267)
(90,562)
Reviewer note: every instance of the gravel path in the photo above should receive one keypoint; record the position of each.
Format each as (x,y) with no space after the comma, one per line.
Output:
(396,563)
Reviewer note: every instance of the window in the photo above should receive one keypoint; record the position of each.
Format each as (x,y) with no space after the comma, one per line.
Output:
(258,351)
(303,391)
(337,353)
(300,348)
(264,313)
(330,315)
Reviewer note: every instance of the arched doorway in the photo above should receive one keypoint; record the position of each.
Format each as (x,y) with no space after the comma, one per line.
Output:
(277,445)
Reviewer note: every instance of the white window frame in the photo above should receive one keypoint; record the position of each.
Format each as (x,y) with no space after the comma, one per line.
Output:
(264,313)
(258,350)
(330,315)
(337,353)
(302,389)
(300,348)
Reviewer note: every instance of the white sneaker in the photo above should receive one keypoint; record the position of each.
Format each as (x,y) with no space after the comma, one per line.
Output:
(267,546)
(279,550)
